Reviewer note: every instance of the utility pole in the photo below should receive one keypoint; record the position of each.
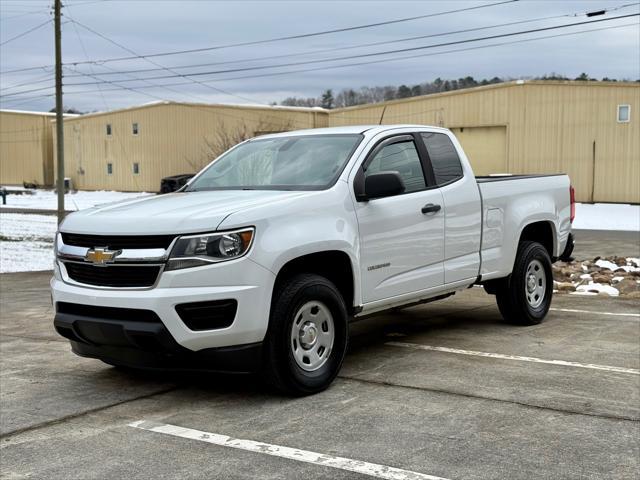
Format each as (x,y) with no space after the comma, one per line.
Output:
(59,116)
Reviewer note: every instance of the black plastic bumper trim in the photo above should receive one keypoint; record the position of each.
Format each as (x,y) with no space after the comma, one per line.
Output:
(150,346)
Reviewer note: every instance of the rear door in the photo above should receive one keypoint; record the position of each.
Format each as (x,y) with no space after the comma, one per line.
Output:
(401,247)
(462,207)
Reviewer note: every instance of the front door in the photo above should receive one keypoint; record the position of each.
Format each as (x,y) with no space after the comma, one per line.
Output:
(402,236)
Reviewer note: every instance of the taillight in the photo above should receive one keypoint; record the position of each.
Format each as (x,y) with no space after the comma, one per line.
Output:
(572,198)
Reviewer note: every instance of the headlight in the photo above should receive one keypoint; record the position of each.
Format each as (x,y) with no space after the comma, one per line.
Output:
(198,250)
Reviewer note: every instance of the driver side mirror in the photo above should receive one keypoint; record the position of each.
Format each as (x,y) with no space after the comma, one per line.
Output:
(382,184)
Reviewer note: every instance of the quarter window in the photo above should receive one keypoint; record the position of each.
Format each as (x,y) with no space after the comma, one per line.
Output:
(401,157)
(109,168)
(108,129)
(134,128)
(444,158)
(136,168)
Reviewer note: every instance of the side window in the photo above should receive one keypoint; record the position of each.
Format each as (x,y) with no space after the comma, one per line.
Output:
(444,158)
(401,157)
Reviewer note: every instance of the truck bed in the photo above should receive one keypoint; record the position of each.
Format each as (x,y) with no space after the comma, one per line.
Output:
(509,202)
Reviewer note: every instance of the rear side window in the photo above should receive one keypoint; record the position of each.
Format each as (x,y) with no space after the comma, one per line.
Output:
(444,158)
(401,157)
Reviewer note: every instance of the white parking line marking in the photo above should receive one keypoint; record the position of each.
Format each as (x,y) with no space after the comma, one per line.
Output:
(571,310)
(365,468)
(417,346)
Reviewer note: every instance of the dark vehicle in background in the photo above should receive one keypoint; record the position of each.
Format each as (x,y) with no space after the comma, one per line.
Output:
(176,182)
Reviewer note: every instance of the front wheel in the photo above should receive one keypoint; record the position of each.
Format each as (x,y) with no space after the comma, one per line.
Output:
(307,337)
(526,297)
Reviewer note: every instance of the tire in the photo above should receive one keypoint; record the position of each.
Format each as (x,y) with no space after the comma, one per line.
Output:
(526,297)
(307,313)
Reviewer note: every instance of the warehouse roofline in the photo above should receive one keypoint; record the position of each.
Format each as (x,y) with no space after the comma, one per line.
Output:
(29,112)
(510,84)
(203,105)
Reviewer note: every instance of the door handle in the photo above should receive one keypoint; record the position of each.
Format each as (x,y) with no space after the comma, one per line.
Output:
(431,208)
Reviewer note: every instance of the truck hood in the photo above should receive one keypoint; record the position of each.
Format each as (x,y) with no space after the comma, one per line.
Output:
(171,213)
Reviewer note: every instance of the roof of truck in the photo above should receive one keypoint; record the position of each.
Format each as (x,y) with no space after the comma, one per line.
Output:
(351,129)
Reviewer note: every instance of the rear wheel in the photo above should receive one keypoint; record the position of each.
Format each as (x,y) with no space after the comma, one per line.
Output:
(307,338)
(525,298)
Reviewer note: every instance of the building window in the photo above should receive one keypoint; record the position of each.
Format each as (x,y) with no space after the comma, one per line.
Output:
(135,128)
(109,129)
(136,168)
(624,113)
(109,168)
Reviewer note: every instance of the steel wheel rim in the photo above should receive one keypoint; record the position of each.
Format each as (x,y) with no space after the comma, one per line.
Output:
(535,283)
(312,335)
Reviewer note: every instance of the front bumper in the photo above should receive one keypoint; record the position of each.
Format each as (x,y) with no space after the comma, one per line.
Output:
(174,343)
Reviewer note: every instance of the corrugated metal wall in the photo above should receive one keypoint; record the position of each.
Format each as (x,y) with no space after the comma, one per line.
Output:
(550,127)
(531,127)
(26,148)
(173,138)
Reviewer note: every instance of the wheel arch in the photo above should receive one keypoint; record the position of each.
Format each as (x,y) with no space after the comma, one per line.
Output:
(334,265)
(542,232)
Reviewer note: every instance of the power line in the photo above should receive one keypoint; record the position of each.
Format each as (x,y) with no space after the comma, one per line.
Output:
(291,37)
(362,45)
(299,36)
(162,67)
(26,32)
(459,50)
(373,54)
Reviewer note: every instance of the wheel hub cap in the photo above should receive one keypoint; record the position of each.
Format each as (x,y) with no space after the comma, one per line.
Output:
(308,335)
(535,283)
(312,335)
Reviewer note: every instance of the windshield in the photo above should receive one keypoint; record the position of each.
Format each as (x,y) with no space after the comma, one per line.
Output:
(311,162)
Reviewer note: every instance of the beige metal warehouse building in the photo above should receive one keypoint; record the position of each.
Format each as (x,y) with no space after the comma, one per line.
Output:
(26,147)
(590,130)
(134,148)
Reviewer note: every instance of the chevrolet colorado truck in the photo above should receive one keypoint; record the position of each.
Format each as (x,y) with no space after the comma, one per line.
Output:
(264,258)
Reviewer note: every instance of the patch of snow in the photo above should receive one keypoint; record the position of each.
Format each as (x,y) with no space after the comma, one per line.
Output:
(607,264)
(598,288)
(617,279)
(26,242)
(615,268)
(607,216)
(634,261)
(586,276)
(48,200)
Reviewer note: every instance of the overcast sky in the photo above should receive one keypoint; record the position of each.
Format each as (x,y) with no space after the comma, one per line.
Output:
(153,26)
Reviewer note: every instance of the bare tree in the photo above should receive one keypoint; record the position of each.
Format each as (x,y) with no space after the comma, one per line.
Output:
(225,137)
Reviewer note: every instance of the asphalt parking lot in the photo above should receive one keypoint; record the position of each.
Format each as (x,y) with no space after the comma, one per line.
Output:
(441,390)
(444,390)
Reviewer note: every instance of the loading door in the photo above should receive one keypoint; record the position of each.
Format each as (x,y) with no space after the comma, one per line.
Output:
(486,148)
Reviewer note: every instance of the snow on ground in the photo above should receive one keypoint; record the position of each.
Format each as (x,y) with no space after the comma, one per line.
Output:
(48,200)
(26,242)
(607,216)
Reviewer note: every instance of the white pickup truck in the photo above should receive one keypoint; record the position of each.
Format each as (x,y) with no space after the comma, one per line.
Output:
(262,260)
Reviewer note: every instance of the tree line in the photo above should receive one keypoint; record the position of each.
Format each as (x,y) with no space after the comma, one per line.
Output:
(349,96)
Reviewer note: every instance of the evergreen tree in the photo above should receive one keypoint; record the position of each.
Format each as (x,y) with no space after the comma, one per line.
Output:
(327,99)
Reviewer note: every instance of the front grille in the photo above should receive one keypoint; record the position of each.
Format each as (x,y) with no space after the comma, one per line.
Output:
(117,242)
(113,275)
(208,315)
(109,313)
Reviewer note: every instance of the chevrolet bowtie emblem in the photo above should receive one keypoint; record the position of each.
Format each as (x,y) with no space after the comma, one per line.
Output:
(100,256)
